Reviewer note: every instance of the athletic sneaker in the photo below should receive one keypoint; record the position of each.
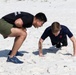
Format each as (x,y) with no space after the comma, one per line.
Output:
(14,60)
(17,54)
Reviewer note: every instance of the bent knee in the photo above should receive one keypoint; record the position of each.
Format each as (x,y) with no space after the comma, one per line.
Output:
(18,32)
(64,44)
(24,34)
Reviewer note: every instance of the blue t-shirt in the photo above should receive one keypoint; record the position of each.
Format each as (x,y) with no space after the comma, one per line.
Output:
(62,35)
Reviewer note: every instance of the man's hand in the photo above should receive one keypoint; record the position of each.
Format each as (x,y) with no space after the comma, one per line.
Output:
(41,55)
(74,55)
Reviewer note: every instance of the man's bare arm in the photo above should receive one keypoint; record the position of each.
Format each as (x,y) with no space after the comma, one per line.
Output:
(40,47)
(19,22)
(74,45)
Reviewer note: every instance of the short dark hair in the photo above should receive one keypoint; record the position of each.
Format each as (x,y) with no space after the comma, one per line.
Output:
(55,27)
(41,16)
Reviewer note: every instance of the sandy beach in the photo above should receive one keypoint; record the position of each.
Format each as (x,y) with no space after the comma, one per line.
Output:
(54,62)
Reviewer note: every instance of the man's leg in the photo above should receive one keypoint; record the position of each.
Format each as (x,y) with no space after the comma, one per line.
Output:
(64,42)
(20,35)
(56,44)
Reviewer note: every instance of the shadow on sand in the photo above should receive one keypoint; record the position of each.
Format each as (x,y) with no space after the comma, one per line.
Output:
(68,54)
(4,53)
(49,50)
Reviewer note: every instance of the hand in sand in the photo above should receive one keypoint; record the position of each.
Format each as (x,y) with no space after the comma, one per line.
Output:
(41,55)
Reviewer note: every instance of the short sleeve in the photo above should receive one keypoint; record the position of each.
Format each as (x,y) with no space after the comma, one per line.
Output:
(45,34)
(68,32)
(27,20)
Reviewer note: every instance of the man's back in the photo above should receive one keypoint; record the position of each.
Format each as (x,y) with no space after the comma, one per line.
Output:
(27,18)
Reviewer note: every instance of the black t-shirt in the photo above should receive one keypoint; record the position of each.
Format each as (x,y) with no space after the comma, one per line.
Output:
(62,35)
(27,18)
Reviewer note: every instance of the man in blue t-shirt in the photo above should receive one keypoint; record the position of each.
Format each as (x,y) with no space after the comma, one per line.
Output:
(58,36)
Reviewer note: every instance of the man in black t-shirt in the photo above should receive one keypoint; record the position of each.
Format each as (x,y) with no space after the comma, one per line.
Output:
(14,25)
(58,36)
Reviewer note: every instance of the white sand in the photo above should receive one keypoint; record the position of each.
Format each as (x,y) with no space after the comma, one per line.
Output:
(54,63)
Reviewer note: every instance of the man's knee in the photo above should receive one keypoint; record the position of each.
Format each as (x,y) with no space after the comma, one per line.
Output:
(15,32)
(24,34)
(64,44)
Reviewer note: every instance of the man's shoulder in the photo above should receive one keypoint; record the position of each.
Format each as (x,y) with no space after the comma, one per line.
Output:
(48,28)
(64,27)
(26,13)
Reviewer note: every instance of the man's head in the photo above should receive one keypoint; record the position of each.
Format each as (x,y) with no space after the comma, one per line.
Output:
(55,27)
(39,20)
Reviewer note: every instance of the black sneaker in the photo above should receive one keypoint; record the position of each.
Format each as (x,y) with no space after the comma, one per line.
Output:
(17,54)
(14,60)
